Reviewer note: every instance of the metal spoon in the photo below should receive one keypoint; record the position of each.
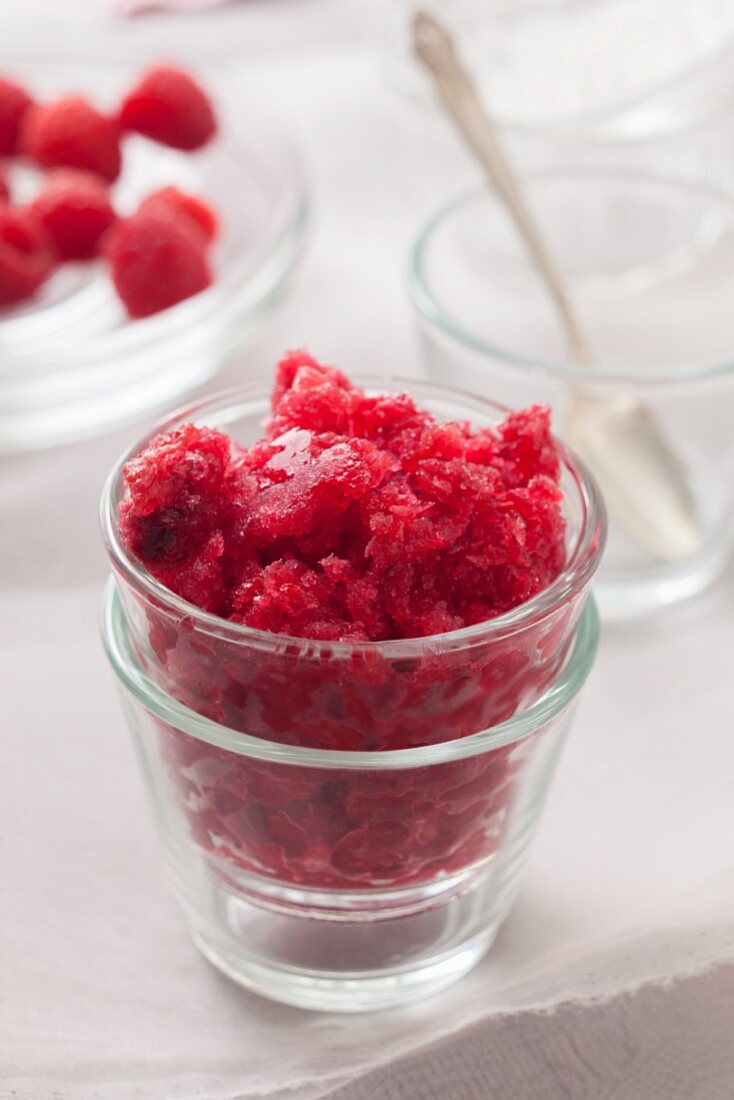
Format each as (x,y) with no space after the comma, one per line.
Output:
(642,478)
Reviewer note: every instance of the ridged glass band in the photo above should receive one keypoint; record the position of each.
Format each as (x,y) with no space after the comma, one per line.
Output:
(561,694)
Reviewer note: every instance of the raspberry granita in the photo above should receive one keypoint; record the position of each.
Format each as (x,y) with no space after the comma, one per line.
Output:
(354,518)
(353,580)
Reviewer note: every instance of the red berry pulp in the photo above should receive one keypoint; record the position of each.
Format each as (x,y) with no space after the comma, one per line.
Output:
(354,518)
(357,518)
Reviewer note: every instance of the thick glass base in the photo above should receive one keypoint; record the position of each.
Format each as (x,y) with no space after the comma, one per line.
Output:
(340,992)
(347,952)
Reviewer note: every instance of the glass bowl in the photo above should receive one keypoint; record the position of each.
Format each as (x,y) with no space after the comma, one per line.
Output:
(598,72)
(72,365)
(649,263)
(635,84)
(343,880)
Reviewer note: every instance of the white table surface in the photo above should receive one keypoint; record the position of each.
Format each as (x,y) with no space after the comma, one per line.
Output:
(631,881)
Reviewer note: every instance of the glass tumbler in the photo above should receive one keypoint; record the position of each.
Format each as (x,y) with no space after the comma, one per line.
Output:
(649,263)
(336,816)
(361,696)
(338,879)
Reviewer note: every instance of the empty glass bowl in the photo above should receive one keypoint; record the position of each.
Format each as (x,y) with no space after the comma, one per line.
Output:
(603,71)
(602,83)
(649,263)
(71,364)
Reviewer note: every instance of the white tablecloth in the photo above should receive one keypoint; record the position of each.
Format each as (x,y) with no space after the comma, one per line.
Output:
(632,877)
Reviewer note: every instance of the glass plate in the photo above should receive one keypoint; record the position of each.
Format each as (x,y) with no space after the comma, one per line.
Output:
(71,364)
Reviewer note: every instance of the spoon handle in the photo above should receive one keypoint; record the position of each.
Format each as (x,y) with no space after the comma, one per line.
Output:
(435,47)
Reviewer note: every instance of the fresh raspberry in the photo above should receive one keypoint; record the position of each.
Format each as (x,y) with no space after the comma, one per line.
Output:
(156,260)
(74,209)
(26,255)
(4,185)
(71,133)
(14,102)
(169,106)
(190,206)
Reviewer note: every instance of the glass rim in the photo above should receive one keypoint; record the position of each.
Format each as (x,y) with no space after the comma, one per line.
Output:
(430,310)
(559,696)
(582,563)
